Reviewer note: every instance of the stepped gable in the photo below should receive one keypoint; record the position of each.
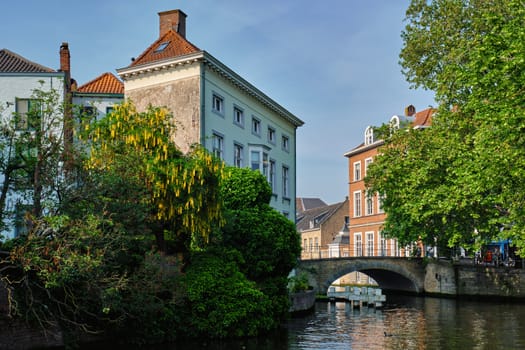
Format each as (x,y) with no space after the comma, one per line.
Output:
(106,83)
(11,62)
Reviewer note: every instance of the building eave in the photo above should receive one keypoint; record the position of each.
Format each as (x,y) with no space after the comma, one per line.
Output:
(364,148)
(218,67)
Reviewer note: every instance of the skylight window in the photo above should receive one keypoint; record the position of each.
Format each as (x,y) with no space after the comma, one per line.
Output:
(162,46)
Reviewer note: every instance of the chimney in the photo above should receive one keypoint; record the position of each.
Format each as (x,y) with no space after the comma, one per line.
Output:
(172,20)
(65,62)
(410,110)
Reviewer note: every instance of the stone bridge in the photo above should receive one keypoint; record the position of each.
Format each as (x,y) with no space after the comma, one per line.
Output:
(419,276)
(393,273)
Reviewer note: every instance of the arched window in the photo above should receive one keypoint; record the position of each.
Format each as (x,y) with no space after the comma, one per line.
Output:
(369,135)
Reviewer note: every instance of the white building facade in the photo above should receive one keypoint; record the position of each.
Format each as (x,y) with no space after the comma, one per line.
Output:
(215,107)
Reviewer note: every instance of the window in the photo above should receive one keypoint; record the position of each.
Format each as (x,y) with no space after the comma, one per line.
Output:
(316,244)
(383,246)
(311,245)
(357,171)
(380,200)
(218,104)
(162,46)
(87,112)
(368,161)
(369,204)
(370,244)
(358,245)
(256,126)
(109,110)
(238,116)
(305,245)
(218,145)
(255,159)
(28,114)
(286,143)
(271,135)
(273,171)
(357,203)
(265,165)
(238,155)
(369,135)
(286,182)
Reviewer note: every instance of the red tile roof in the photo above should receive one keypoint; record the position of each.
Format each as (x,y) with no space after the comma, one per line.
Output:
(11,62)
(423,118)
(176,45)
(107,83)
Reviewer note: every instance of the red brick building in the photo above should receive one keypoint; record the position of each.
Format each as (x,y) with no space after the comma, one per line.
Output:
(365,212)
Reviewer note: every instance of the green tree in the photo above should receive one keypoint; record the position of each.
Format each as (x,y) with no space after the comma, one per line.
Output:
(267,241)
(460,181)
(31,151)
(181,190)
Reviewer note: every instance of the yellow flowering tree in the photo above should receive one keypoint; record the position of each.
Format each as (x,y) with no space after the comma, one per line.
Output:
(182,190)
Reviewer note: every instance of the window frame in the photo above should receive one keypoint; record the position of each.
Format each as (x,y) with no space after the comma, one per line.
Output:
(238,116)
(217,104)
(238,155)
(358,244)
(357,171)
(28,119)
(285,143)
(357,204)
(256,126)
(272,135)
(218,149)
(286,181)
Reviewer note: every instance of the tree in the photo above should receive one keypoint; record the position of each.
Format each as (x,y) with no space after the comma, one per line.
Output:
(450,182)
(267,241)
(182,191)
(31,151)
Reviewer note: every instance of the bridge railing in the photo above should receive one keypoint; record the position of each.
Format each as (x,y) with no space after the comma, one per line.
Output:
(348,250)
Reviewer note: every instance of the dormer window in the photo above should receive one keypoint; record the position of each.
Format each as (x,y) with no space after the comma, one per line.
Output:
(369,135)
(394,123)
(162,46)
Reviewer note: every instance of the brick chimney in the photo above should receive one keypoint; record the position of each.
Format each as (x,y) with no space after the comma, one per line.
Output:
(65,62)
(172,20)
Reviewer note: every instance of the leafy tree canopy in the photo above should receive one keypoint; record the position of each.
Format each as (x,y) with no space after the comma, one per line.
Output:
(460,181)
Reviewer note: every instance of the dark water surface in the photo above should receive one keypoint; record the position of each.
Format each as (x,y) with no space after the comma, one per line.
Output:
(404,323)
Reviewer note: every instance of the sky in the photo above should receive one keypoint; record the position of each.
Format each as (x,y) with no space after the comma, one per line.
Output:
(332,63)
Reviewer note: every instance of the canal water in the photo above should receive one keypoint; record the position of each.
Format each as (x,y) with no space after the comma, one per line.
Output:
(405,323)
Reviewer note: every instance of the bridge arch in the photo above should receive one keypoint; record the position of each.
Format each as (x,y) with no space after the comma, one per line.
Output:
(402,274)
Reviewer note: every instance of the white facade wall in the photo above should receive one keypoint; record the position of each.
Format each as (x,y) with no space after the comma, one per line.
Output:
(99,103)
(243,135)
(15,86)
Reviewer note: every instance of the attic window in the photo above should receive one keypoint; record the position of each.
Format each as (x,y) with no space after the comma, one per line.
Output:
(162,46)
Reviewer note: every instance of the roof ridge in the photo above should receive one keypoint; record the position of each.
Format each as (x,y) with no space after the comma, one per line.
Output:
(105,83)
(14,66)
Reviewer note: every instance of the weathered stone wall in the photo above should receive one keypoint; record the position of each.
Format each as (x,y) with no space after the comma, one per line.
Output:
(440,278)
(488,281)
(182,98)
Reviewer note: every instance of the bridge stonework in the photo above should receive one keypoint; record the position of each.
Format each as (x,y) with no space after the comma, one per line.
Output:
(419,276)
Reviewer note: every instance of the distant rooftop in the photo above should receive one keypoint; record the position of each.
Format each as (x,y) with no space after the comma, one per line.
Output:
(106,83)
(303,204)
(11,62)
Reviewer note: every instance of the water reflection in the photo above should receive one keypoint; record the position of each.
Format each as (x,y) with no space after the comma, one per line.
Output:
(413,323)
(408,323)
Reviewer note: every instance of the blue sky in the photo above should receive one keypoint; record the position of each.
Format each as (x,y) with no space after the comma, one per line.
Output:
(332,63)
